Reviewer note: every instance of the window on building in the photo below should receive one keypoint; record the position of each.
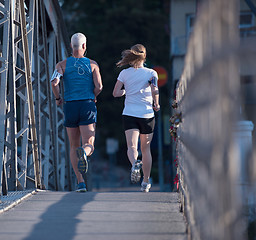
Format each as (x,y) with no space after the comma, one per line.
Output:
(190,23)
(246,20)
(247,24)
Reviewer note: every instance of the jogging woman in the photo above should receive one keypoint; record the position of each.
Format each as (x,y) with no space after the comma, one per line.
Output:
(139,85)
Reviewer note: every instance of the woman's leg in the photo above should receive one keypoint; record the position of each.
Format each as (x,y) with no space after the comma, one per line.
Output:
(145,140)
(88,137)
(74,141)
(132,137)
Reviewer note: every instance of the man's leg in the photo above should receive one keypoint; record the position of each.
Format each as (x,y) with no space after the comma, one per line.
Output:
(88,138)
(74,141)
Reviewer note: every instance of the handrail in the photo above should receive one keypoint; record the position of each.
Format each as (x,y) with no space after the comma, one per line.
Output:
(207,99)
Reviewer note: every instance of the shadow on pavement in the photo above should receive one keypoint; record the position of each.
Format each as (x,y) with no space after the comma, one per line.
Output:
(59,221)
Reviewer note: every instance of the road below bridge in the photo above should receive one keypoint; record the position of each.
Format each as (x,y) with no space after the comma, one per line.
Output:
(95,216)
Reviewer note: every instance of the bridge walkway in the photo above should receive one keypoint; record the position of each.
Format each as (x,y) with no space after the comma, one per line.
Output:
(119,215)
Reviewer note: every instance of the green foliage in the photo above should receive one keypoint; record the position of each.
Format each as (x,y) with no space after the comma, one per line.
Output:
(110,27)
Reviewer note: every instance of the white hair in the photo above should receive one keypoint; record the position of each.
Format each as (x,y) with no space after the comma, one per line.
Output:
(77,40)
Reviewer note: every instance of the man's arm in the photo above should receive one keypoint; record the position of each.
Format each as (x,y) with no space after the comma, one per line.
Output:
(58,73)
(98,86)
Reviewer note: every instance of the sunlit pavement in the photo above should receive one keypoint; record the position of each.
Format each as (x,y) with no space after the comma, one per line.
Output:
(121,214)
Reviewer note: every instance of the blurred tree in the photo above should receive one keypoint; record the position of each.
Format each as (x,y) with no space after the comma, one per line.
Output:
(110,27)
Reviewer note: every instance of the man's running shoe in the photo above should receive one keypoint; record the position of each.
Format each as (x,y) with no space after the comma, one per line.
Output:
(82,160)
(145,187)
(135,171)
(81,187)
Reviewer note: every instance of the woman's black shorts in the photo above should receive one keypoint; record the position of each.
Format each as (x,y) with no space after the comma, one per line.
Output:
(145,125)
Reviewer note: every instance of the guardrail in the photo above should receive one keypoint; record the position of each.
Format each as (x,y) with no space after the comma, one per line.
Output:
(208,105)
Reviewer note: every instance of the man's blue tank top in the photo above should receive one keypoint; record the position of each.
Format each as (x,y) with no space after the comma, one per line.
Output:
(77,79)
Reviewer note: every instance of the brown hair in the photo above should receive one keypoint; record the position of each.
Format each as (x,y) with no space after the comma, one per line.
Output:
(133,56)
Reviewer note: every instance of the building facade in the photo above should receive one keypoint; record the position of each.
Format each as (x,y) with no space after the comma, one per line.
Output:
(182,18)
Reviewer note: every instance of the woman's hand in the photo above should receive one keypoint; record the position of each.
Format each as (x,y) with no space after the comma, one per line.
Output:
(156,107)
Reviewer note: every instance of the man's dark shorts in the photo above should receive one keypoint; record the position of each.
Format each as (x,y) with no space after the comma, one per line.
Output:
(80,112)
(145,125)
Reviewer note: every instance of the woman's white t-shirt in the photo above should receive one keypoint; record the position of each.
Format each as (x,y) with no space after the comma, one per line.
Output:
(138,96)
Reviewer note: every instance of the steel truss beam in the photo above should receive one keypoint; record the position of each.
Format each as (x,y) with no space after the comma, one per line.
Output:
(33,141)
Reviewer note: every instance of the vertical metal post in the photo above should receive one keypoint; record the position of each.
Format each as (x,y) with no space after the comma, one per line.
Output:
(37,81)
(30,95)
(68,164)
(3,83)
(12,162)
(44,36)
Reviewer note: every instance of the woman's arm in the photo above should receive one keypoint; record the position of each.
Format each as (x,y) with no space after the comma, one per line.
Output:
(155,93)
(118,91)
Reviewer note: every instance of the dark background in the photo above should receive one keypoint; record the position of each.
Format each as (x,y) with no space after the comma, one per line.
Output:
(110,27)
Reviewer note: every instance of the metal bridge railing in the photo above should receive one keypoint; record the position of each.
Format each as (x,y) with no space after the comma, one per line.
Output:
(32,41)
(208,96)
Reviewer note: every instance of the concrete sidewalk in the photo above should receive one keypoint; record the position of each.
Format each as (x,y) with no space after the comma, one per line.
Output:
(95,216)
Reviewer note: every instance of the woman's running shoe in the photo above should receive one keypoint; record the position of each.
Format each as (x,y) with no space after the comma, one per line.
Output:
(135,171)
(82,160)
(145,187)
